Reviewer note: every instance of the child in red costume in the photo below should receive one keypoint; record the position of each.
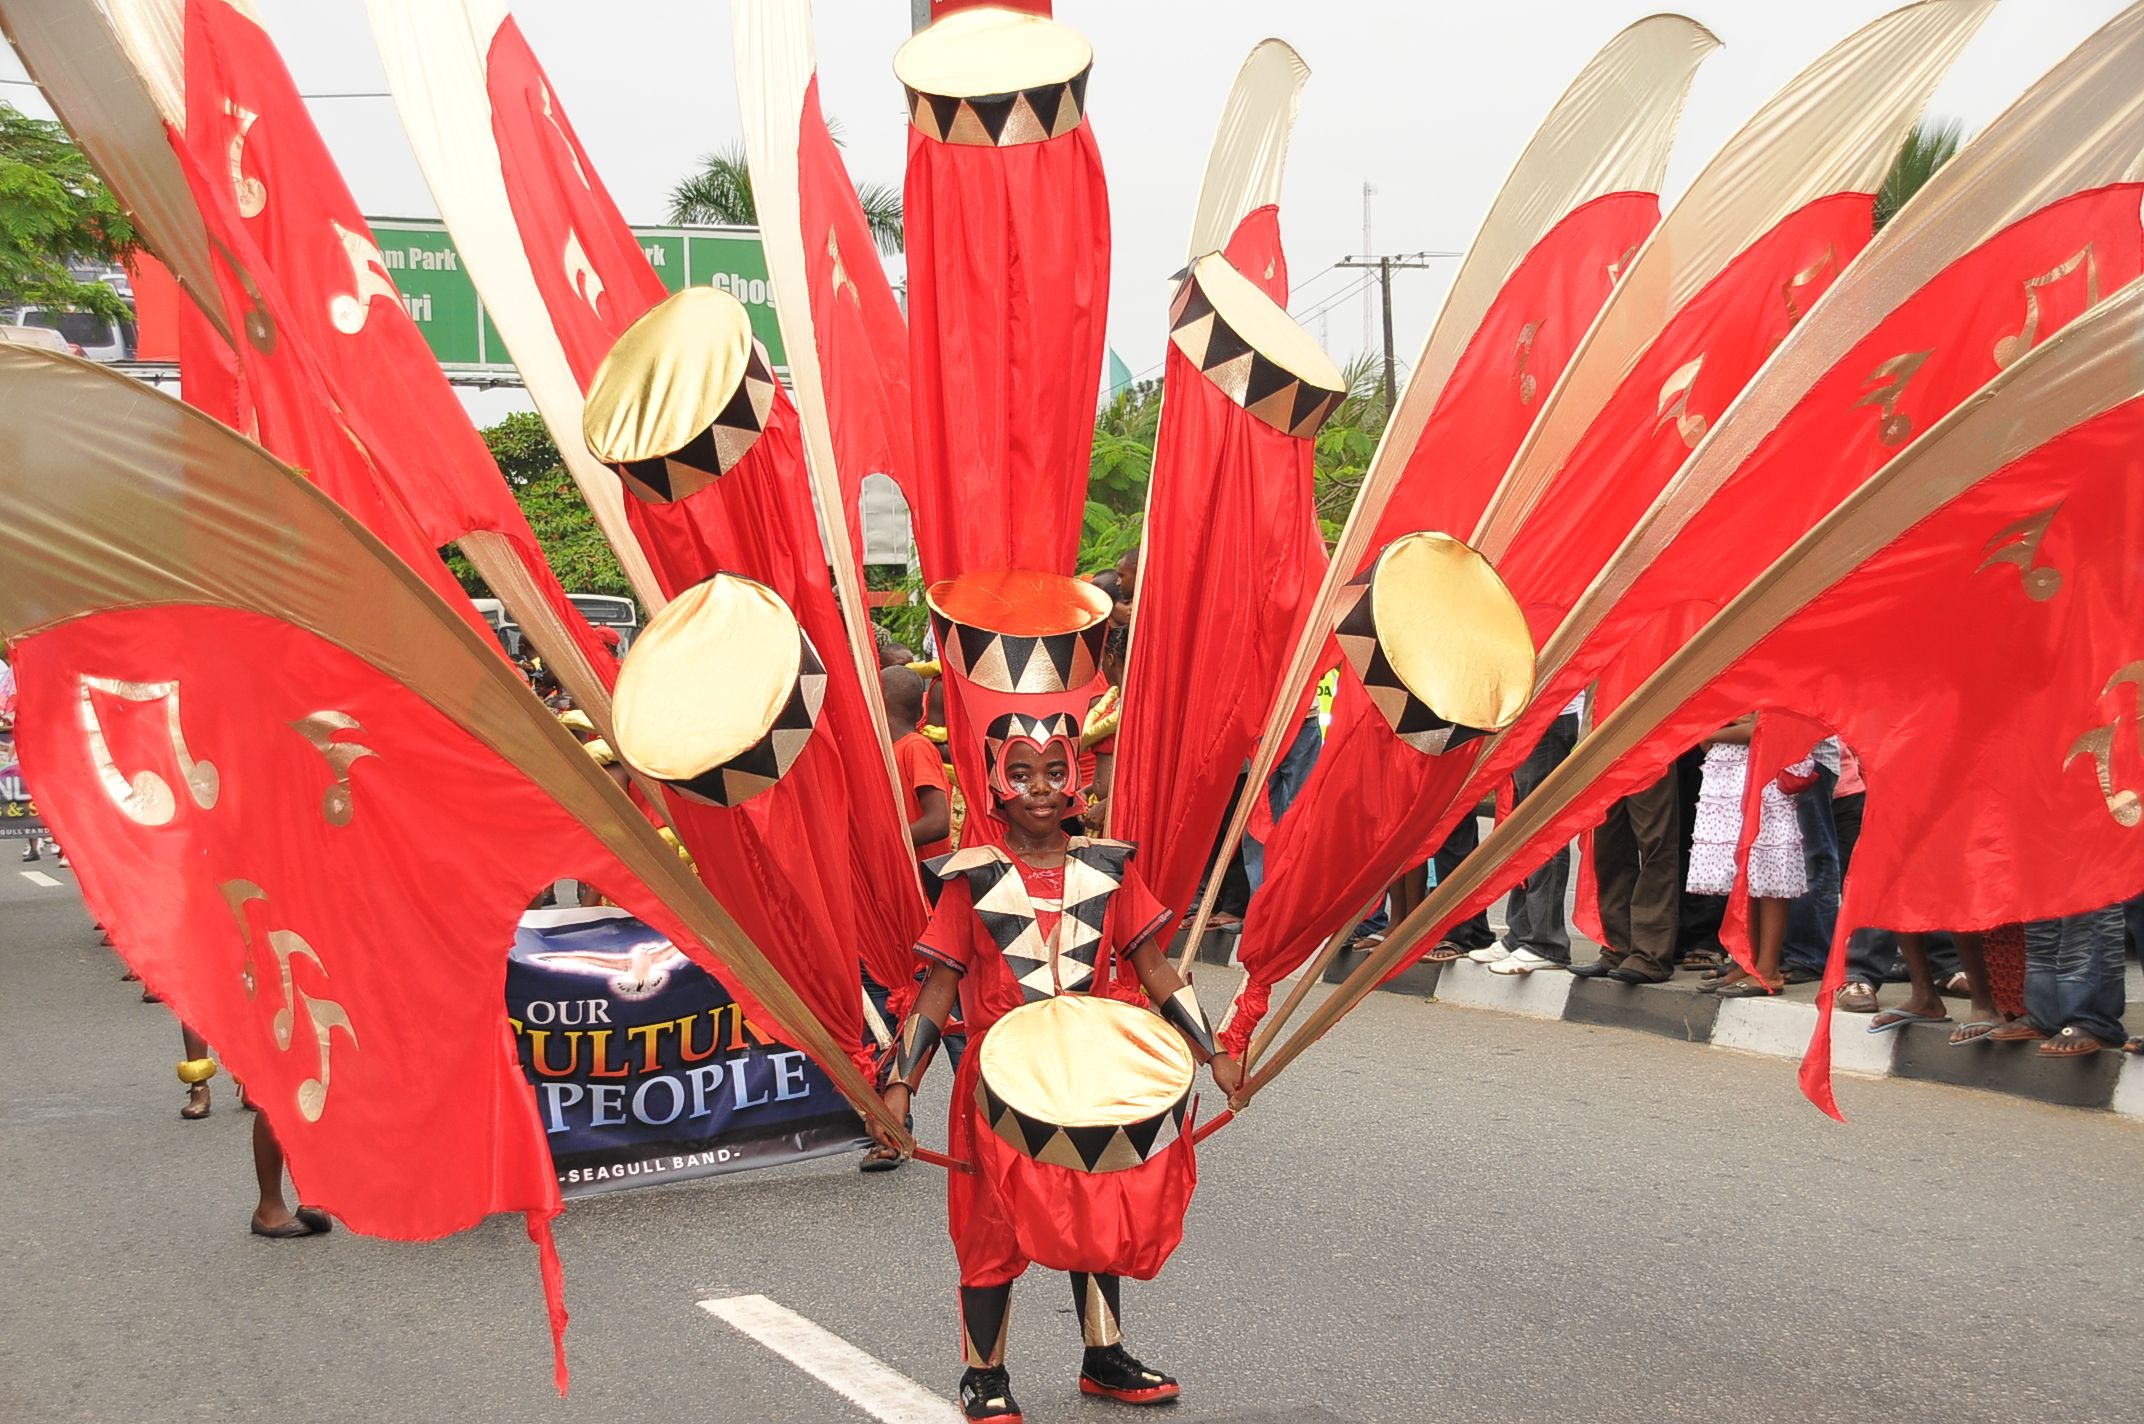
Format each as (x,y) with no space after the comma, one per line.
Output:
(1017,926)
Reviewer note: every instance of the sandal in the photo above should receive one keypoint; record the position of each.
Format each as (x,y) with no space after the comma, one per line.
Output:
(1750,988)
(1445,953)
(1891,1019)
(1957,986)
(2016,1031)
(197,1104)
(2072,1042)
(880,1158)
(1972,1031)
(1856,998)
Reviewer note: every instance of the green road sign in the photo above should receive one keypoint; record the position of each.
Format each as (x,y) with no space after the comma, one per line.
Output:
(437,289)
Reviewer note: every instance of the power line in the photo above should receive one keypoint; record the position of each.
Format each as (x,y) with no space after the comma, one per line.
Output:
(1384,267)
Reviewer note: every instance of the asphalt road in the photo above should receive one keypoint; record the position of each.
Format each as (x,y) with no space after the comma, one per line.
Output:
(1440,1214)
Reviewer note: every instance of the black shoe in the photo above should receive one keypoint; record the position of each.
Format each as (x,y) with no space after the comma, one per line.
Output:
(1630,973)
(987,1394)
(1598,969)
(32,854)
(1112,1374)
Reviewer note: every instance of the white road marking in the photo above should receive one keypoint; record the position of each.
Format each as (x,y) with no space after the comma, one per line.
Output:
(38,877)
(867,1382)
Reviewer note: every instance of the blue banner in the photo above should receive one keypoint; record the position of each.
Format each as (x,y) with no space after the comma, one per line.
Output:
(645,1071)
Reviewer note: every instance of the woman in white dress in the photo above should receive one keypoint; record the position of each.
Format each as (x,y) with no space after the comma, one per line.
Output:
(1777,872)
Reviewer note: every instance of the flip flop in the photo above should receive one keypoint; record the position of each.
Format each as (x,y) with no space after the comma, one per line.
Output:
(317,1219)
(2072,1042)
(1972,1031)
(290,1230)
(2016,1031)
(1898,1018)
(1746,989)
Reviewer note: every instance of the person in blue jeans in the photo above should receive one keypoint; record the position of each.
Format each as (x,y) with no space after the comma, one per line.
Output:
(2073,985)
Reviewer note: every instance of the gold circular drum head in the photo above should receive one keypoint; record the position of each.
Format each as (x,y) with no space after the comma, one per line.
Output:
(681,397)
(1249,347)
(1094,1085)
(1440,644)
(720,692)
(994,78)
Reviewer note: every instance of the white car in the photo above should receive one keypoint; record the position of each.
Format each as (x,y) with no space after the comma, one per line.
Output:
(83,333)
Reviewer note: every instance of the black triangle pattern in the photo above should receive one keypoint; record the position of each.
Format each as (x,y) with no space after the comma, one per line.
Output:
(1068,661)
(759,766)
(1091,1142)
(995,114)
(1309,406)
(1007,119)
(1417,724)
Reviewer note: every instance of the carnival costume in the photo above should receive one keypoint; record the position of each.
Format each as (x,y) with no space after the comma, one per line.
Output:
(1070,1110)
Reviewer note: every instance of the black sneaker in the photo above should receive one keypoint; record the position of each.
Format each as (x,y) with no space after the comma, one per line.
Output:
(1111,1373)
(987,1394)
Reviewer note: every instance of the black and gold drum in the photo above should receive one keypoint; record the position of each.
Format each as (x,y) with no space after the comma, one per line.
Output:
(1085,1104)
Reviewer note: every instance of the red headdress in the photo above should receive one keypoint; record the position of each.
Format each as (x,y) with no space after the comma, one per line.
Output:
(1021,651)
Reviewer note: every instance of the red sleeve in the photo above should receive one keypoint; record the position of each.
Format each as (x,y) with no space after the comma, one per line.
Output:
(920,768)
(1135,916)
(949,938)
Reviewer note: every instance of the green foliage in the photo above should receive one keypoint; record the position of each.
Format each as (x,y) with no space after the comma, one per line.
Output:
(53,209)
(1347,441)
(720,191)
(907,621)
(1933,143)
(552,503)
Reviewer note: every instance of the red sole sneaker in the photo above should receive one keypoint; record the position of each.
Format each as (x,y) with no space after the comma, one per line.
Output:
(1159,1394)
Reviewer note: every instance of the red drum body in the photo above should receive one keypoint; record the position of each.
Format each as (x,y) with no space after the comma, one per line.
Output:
(1085,1133)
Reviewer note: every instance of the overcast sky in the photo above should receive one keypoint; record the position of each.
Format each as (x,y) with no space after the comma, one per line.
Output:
(1428,101)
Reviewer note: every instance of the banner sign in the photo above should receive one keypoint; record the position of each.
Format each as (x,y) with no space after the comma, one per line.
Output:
(436,288)
(18,813)
(645,1071)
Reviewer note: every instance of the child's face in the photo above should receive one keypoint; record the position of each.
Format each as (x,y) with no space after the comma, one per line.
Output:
(1041,782)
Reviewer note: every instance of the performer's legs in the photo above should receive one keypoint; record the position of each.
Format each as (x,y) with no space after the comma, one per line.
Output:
(985,1312)
(1107,1370)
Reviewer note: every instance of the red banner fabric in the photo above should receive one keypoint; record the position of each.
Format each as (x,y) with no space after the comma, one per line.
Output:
(1357,822)
(862,336)
(1008,296)
(323,877)
(1231,558)
(1937,348)
(1993,704)
(267,186)
(813,901)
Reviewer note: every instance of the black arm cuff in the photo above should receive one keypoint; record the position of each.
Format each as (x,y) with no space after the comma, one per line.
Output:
(913,1048)
(1182,1009)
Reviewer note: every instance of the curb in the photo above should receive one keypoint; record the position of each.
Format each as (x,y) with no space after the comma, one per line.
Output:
(1780,1028)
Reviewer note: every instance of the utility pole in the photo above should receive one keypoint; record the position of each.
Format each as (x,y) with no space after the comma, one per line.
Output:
(919,13)
(1384,267)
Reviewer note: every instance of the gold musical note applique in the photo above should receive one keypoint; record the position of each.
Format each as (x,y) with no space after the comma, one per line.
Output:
(2042,582)
(1827,265)
(563,142)
(368,273)
(2017,344)
(1675,405)
(146,798)
(322,1016)
(1617,268)
(1887,383)
(320,728)
(580,272)
(250,193)
(1527,384)
(2123,803)
(841,279)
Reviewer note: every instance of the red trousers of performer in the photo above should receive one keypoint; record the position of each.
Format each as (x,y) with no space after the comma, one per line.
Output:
(1012,1210)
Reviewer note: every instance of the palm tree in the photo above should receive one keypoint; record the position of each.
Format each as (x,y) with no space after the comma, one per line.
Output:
(720,191)
(1933,143)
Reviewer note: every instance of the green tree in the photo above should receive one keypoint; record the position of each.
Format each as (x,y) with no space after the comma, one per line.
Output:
(552,503)
(720,191)
(1348,439)
(53,210)
(1933,143)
